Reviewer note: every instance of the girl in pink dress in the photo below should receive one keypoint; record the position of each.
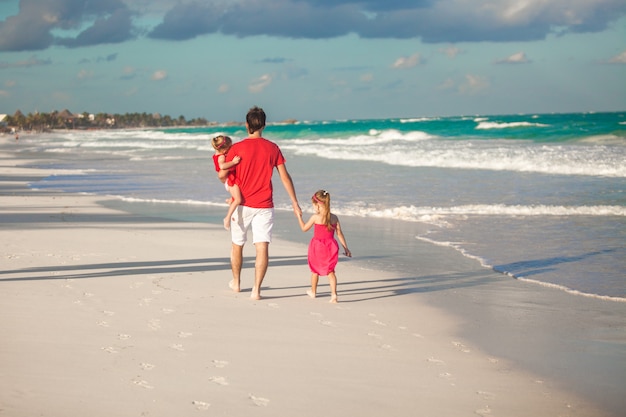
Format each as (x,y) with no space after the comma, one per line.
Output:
(323,249)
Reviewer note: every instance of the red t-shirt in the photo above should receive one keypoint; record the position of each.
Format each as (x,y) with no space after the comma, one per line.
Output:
(259,157)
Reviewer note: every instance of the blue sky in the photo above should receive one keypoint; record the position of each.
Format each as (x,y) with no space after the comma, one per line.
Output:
(313,59)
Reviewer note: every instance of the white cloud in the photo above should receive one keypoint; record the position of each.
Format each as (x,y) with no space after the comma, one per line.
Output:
(473,84)
(452,51)
(4,93)
(448,84)
(408,61)
(517,58)
(84,74)
(619,58)
(224,88)
(258,85)
(367,78)
(159,75)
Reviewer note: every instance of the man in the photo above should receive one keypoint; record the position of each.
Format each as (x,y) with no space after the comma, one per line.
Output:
(253,174)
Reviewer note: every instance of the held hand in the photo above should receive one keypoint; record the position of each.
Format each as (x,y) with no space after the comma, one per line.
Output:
(236,159)
(296,209)
(347,253)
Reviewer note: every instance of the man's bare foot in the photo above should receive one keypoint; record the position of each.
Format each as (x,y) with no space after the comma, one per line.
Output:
(227,223)
(234,286)
(333,299)
(256,294)
(310,293)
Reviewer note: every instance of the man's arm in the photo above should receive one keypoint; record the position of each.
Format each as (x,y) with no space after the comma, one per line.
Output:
(288,184)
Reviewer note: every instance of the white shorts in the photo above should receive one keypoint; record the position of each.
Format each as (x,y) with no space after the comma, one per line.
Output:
(261,220)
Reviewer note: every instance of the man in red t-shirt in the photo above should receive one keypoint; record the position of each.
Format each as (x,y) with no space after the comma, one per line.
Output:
(254,172)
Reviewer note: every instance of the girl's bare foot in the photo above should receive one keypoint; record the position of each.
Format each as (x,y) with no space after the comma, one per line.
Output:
(310,293)
(333,299)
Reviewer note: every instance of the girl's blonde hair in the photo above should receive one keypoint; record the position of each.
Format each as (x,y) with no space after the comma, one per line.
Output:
(322,197)
(222,143)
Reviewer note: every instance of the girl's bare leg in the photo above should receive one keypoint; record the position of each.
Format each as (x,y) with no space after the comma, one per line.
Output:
(313,291)
(332,279)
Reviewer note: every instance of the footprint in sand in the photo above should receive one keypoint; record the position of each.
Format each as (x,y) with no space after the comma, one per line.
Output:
(108,313)
(260,401)
(154,324)
(380,323)
(219,380)
(136,285)
(461,347)
(486,411)
(147,366)
(436,361)
(110,349)
(184,335)
(88,294)
(123,336)
(219,364)
(374,335)
(142,383)
(273,305)
(201,405)
(177,346)
(168,310)
(486,395)
(103,324)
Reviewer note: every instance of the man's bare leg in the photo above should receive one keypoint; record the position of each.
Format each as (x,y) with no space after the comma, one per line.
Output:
(260,268)
(236,261)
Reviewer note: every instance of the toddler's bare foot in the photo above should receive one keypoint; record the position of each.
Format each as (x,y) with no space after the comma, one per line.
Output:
(310,293)
(333,299)
(233,286)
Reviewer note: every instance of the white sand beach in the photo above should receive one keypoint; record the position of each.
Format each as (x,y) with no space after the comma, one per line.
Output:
(106,313)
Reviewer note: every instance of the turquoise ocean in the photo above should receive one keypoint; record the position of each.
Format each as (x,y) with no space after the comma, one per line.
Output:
(539,198)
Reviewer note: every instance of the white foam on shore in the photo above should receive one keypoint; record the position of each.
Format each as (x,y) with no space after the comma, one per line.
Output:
(496,125)
(420,149)
(483,262)
(436,215)
(161,201)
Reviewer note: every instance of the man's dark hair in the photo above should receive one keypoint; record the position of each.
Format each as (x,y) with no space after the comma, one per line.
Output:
(255,119)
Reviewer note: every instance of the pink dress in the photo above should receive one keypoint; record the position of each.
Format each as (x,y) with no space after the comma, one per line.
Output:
(323,250)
